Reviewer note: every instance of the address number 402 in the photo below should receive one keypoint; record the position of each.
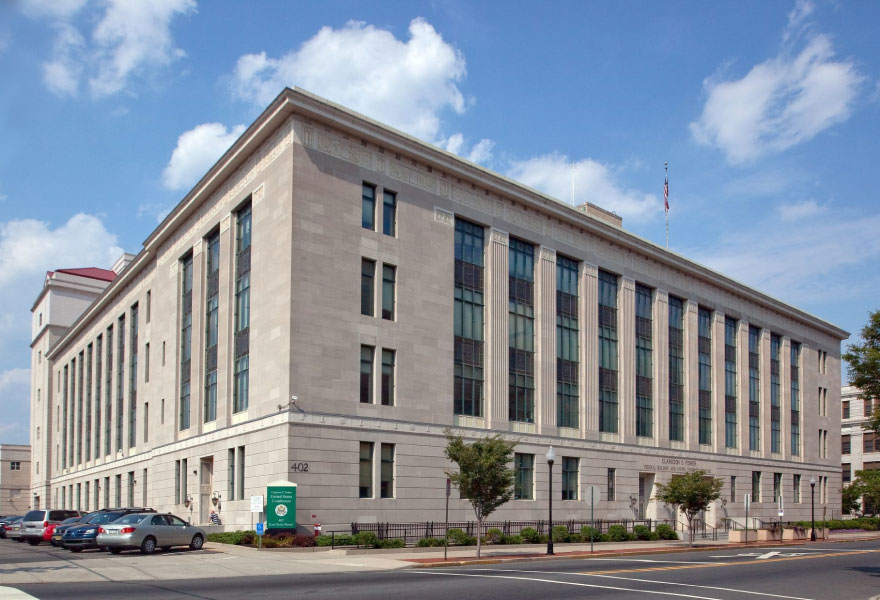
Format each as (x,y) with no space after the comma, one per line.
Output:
(301,467)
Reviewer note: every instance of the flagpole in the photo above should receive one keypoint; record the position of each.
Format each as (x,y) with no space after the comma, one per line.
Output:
(666,200)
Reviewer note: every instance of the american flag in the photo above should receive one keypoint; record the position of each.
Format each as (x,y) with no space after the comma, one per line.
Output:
(666,193)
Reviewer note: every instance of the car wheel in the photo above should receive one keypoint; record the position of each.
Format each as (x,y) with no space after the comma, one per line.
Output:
(33,542)
(197,542)
(115,550)
(76,549)
(148,545)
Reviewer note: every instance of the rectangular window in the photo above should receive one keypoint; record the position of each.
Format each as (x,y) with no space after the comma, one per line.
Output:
(64,420)
(777,487)
(869,405)
(846,472)
(368,207)
(524,472)
(676,369)
(212,325)
(183,479)
(366,470)
(242,324)
(132,379)
(775,400)
(241,474)
(389,213)
(149,305)
(86,495)
(795,399)
(87,442)
(704,354)
(186,319)
(569,478)
(387,377)
(107,492)
(756,486)
(177,499)
(131,488)
(644,362)
(468,319)
(521,332)
(612,474)
(230,474)
(567,348)
(730,396)
(796,489)
(754,388)
(845,444)
(607,352)
(120,379)
(367,374)
(147,362)
(15,465)
(368,276)
(845,409)
(386,471)
(732,488)
(78,496)
(389,273)
(146,422)
(79,407)
(119,490)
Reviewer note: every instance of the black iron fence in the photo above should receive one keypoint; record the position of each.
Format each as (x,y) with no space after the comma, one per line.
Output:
(413,532)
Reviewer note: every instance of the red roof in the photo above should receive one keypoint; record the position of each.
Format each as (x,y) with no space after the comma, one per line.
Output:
(91,273)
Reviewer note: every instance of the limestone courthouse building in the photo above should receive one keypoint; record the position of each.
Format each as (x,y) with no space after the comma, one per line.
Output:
(334,293)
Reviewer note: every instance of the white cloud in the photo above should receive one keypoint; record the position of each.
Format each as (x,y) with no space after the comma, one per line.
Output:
(782,101)
(197,149)
(795,211)
(15,387)
(593,182)
(481,152)
(128,38)
(406,84)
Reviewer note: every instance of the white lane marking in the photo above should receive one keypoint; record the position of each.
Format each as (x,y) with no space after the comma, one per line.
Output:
(9,593)
(760,556)
(671,562)
(708,587)
(574,583)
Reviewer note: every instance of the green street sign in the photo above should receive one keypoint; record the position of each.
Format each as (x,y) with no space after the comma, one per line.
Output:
(281,505)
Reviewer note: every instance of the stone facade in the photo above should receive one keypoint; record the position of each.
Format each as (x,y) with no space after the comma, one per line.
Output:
(859,448)
(302,167)
(15,479)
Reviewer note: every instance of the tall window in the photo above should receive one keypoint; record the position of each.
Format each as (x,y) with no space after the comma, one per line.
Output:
(845,444)
(756,486)
(212,325)
(389,274)
(368,207)
(387,377)
(120,379)
(644,363)
(524,473)
(729,382)
(676,369)
(775,407)
(242,463)
(389,213)
(521,388)
(612,474)
(132,379)
(64,420)
(704,354)
(186,276)
(79,408)
(108,391)
(184,478)
(99,349)
(569,478)
(368,277)
(366,470)
(844,406)
(777,487)
(796,399)
(567,397)
(754,388)
(87,442)
(607,352)
(230,474)
(796,489)
(242,325)
(386,471)
(468,328)
(367,374)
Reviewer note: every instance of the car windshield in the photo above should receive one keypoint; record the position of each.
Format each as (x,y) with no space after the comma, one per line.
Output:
(107,517)
(129,519)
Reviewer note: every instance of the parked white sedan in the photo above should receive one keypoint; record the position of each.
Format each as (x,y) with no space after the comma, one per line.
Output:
(146,531)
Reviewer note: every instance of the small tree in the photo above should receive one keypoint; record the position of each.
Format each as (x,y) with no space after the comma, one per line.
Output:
(484,476)
(864,366)
(850,498)
(691,492)
(867,485)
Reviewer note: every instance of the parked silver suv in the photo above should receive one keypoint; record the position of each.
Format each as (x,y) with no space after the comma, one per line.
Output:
(38,525)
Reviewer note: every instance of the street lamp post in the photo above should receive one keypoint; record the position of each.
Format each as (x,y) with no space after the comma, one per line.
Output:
(812,508)
(551,458)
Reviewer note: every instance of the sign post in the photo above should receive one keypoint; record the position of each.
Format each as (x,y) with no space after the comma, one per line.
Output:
(747,500)
(591,494)
(256,506)
(260,532)
(281,505)
(446,523)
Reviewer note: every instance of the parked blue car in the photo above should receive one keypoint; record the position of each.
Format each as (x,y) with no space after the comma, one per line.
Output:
(81,537)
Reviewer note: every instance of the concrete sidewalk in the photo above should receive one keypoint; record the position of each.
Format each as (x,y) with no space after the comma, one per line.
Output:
(222,560)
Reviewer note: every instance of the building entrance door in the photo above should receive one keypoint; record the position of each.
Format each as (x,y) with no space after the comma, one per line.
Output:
(206,486)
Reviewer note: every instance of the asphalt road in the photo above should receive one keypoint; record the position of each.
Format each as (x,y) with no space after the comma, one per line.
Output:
(840,571)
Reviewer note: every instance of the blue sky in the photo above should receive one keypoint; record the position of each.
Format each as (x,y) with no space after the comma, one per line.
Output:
(767,113)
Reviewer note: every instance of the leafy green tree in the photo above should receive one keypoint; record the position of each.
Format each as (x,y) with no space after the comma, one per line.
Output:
(484,476)
(864,366)
(867,484)
(850,498)
(692,493)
